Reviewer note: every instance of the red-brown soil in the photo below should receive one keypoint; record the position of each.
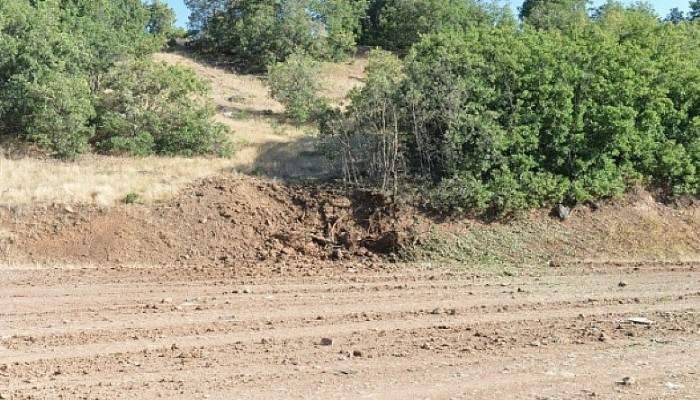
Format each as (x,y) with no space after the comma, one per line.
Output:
(247,288)
(220,221)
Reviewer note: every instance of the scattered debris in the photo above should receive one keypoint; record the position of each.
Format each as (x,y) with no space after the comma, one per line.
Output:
(640,321)
(673,386)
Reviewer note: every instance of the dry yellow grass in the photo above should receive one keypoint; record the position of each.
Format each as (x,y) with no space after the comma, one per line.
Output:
(100,180)
(265,144)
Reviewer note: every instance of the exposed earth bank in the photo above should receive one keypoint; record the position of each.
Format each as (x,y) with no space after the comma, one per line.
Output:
(234,221)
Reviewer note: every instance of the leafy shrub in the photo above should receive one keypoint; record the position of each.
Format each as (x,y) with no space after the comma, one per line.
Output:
(132,198)
(295,84)
(366,135)
(56,113)
(258,33)
(74,76)
(554,14)
(161,19)
(150,108)
(500,119)
(397,24)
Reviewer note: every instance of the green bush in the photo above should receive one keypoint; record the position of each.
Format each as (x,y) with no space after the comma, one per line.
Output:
(57,110)
(150,108)
(397,24)
(366,135)
(499,118)
(295,84)
(74,76)
(132,198)
(257,33)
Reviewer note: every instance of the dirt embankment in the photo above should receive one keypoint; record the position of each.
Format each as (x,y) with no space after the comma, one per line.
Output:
(236,220)
(219,221)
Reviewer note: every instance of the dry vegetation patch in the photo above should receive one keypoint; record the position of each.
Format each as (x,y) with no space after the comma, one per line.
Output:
(99,180)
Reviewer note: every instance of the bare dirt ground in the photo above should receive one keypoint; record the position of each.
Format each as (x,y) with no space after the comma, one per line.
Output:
(247,288)
(394,332)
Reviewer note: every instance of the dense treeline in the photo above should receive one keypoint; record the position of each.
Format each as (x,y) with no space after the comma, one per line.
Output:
(75,75)
(501,117)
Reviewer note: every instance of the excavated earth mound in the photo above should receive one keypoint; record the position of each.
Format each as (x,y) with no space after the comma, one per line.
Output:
(219,221)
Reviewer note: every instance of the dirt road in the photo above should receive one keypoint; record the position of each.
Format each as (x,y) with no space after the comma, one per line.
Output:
(101,333)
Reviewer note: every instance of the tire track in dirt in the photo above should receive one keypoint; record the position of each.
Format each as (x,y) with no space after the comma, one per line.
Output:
(395,335)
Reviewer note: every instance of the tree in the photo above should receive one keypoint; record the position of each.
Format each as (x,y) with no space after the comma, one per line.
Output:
(694,10)
(295,84)
(202,11)
(258,33)
(498,118)
(150,108)
(161,19)
(400,23)
(554,14)
(675,16)
(58,60)
(365,137)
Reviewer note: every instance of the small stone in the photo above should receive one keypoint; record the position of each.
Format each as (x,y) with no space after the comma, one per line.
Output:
(356,353)
(622,284)
(174,347)
(563,212)
(626,381)
(326,341)
(640,321)
(436,311)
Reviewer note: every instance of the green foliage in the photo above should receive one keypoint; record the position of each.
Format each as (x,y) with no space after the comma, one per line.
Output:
(554,14)
(258,33)
(64,62)
(161,20)
(366,135)
(148,108)
(294,83)
(201,11)
(397,24)
(56,113)
(694,10)
(501,119)
(132,198)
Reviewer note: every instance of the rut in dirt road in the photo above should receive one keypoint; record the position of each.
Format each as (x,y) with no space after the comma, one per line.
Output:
(94,333)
